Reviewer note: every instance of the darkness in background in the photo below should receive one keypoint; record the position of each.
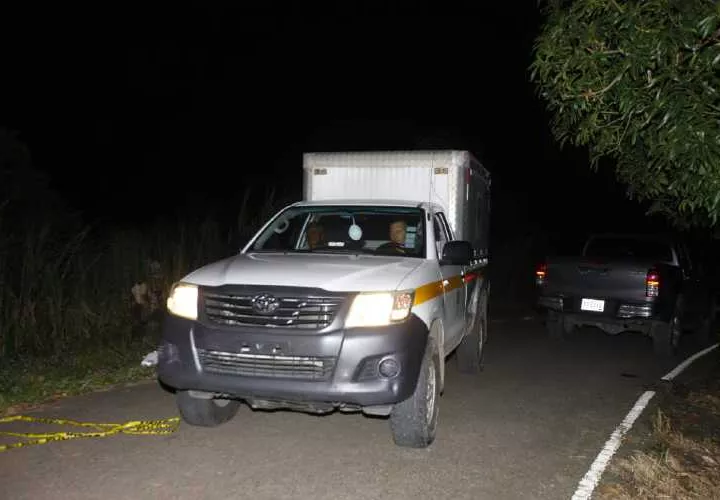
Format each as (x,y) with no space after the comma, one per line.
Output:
(142,113)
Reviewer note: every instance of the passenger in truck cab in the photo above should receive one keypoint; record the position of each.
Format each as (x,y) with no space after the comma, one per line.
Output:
(315,235)
(398,231)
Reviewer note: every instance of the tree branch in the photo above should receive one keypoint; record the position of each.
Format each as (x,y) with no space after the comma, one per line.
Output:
(712,38)
(615,4)
(589,94)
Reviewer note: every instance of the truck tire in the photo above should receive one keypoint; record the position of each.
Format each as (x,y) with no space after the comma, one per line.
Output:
(470,351)
(666,337)
(205,412)
(413,422)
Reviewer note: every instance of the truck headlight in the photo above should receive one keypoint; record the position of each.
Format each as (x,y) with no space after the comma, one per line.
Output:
(379,309)
(183,301)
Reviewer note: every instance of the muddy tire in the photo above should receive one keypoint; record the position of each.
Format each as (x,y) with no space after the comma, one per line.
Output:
(414,421)
(205,412)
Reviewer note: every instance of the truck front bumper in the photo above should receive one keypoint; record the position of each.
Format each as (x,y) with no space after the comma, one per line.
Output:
(355,367)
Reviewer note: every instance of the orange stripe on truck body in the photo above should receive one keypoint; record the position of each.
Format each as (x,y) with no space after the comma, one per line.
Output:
(434,289)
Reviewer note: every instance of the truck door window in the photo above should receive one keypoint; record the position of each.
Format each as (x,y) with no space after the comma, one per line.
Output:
(446,226)
(441,233)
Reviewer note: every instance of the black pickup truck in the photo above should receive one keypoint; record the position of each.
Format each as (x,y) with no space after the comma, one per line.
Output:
(627,282)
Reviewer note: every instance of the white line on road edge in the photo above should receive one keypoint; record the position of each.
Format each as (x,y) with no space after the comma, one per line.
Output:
(679,368)
(591,479)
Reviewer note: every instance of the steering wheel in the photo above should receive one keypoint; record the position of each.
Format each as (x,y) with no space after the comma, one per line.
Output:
(392,248)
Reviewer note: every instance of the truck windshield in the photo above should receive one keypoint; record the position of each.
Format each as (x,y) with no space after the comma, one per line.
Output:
(628,248)
(371,230)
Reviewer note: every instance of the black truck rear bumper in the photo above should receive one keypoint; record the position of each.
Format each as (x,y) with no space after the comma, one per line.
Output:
(615,316)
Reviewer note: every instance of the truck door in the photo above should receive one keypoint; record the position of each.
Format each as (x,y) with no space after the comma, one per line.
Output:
(453,287)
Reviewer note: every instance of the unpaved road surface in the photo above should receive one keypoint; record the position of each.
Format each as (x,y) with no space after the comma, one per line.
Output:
(529,426)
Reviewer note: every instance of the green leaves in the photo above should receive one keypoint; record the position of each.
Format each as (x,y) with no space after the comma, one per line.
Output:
(639,82)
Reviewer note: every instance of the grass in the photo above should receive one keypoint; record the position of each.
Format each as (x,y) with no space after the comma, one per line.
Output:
(69,322)
(27,382)
(678,457)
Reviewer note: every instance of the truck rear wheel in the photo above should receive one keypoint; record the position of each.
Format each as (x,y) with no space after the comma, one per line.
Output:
(205,412)
(470,351)
(414,421)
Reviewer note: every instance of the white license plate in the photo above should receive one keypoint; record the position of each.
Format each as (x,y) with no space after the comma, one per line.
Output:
(592,305)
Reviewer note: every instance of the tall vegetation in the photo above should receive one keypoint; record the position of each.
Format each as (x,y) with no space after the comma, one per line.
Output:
(66,287)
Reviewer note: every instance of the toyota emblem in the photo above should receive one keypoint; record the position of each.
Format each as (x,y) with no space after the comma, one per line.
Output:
(265,303)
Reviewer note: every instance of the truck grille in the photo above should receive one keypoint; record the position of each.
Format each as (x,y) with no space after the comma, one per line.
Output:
(264,365)
(291,311)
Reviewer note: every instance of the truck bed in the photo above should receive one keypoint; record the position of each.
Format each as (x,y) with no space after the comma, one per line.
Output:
(615,290)
(579,277)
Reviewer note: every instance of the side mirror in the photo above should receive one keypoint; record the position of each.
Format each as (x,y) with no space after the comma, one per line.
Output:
(457,253)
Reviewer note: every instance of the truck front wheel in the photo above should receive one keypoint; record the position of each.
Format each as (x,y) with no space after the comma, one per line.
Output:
(205,412)
(414,421)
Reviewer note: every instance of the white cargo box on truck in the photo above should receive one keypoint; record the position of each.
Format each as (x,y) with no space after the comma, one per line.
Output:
(453,179)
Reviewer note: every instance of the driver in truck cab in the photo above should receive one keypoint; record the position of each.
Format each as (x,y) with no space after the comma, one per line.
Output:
(315,235)
(398,231)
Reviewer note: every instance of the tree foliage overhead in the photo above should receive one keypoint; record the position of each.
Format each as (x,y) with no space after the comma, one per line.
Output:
(639,82)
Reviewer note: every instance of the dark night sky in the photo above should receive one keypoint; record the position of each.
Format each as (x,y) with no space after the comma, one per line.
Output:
(186,108)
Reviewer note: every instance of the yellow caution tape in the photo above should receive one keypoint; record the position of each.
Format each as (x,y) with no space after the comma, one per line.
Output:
(137,427)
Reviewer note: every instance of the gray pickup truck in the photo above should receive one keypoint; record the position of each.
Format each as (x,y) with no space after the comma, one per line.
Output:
(625,282)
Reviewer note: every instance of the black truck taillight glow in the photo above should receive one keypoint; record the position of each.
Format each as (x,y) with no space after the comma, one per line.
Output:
(652,283)
(541,274)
